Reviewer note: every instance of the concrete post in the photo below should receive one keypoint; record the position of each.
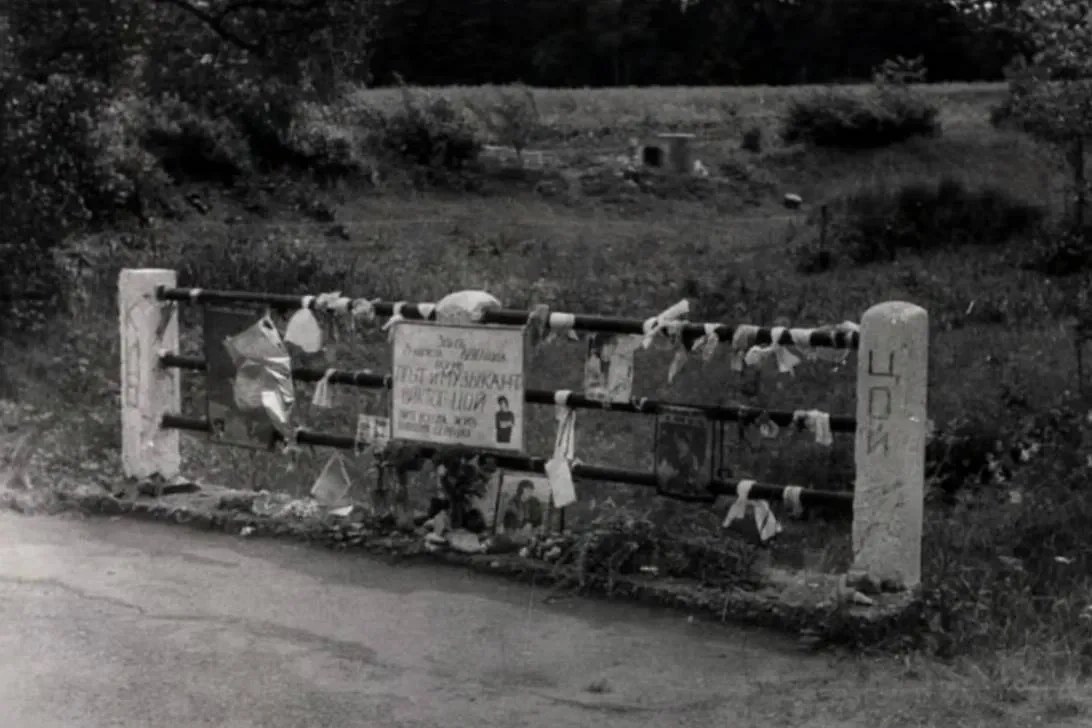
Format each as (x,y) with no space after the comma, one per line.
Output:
(889,495)
(148,328)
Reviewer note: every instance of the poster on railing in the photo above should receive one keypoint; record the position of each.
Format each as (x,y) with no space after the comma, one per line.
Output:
(608,368)
(684,453)
(458,385)
(230,424)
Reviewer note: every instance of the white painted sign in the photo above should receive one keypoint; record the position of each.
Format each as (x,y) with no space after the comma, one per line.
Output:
(458,385)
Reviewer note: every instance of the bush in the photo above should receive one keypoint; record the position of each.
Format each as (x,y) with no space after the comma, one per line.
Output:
(1062,251)
(130,178)
(68,162)
(331,146)
(431,134)
(923,216)
(885,116)
(513,119)
(1002,571)
(191,145)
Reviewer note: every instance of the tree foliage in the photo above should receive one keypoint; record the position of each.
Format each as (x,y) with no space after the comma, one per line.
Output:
(1050,95)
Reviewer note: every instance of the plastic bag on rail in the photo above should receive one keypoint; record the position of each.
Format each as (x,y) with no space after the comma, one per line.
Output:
(465,306)
(303,330)
(263,365)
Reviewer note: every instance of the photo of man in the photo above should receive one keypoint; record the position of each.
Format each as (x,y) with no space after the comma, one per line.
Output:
(523,505)
(524,509)
(505,421)
(682,455)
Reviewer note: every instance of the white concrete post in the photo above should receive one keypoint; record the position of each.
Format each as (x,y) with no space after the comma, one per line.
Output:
(889,494)
(148,327)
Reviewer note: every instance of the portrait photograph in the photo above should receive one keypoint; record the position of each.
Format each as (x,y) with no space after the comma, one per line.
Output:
(684,454)
(524,504)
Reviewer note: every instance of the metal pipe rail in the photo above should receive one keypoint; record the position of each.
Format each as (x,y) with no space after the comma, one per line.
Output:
(820,338)
(843,501)
(371,380)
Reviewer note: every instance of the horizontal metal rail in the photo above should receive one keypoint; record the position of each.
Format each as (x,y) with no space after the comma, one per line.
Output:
(819,338)
(371,380)
(841,500)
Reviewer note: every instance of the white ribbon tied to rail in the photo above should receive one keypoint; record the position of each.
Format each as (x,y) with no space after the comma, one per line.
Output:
(361,310)
(766,525)
(791,497)
(560,325)
(322,396)
(396,316)
(786,360)
(674,329)
(707,343)
(802,341)
(652,326)
(817,423)
(333,302)
(558,467)
(743,338)
(538,324)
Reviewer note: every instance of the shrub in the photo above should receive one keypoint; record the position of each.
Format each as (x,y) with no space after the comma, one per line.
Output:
(191,145)
(430,134)
(331,146)
(1061,251)
(130,178)
(887,115)
(513,119)
(923,216)
(1001,571)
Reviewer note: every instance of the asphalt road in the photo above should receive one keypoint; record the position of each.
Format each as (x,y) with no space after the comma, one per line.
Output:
(125,624)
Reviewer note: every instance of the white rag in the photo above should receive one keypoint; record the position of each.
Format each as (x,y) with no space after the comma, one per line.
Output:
(765,522)
(322,391)
(817,423)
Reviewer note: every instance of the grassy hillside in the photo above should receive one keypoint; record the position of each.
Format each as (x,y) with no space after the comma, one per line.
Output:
(576,235)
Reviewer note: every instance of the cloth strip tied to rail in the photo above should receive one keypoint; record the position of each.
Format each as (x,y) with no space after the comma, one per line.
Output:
(829,337)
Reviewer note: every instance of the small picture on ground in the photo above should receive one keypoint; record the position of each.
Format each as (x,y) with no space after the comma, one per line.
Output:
(684,454)
(523,504)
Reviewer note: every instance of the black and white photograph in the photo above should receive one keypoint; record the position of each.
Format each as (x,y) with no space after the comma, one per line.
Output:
(684,453)
(550,287)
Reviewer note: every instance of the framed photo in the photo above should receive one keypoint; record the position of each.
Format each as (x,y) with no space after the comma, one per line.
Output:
(524,504)
(684,454)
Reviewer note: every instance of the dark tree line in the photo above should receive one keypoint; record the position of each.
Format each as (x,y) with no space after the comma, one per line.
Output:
(668,42)
(538,42)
